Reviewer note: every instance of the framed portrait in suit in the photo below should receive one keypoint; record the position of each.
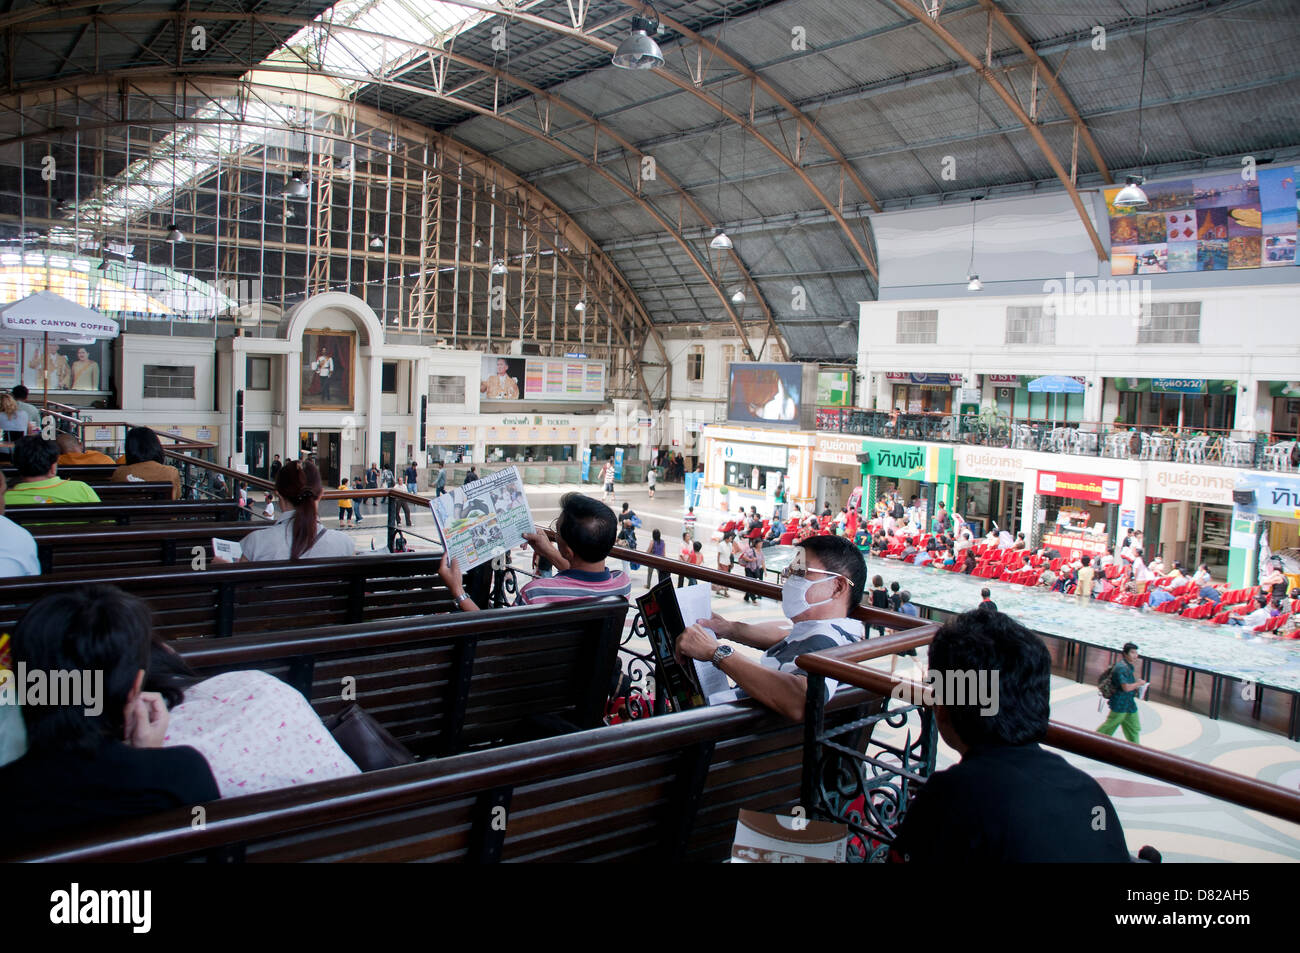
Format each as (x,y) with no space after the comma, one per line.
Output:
(328,370)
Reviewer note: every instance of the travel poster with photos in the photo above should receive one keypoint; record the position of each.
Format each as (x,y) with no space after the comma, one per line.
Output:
(483,519)
(1227,221)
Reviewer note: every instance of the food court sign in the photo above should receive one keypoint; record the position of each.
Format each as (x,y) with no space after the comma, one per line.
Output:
(832,448)
(905,461)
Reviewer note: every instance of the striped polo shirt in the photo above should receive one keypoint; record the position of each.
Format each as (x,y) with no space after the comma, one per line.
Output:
(575,584)
(812,636)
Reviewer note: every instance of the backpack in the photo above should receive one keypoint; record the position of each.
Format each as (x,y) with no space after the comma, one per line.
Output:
(1106,682)
(634,520)
(898,511)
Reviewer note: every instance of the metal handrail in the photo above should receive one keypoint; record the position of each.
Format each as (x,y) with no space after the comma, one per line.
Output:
(844,664)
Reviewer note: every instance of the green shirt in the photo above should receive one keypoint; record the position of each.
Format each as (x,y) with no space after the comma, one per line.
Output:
(56,490)
(1123,701)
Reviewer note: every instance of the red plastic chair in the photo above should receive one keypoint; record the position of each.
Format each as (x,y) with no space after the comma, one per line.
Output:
(786,538)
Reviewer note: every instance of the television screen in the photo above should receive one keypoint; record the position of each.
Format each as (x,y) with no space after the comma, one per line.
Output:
(766,393)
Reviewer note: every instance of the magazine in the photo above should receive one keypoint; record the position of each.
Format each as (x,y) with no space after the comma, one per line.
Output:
(227,549)
(483,519)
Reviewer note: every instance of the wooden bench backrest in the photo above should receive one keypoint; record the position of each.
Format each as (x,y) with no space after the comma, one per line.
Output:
(443,684)
(245,598)
(86,473)
(79,548)
(125,512)
(665,788)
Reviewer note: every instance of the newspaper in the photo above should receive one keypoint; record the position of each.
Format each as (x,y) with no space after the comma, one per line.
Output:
(227,549)
(483,519)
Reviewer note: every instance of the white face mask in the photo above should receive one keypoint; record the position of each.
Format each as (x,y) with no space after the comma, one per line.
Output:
(794,594)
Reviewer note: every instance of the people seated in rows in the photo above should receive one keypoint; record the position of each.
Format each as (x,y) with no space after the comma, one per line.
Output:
(1258,616)
(101,758)
(145,462)
(1202,576)
(17,546)
(819,589)
(298,534)
(14,423)
(971,562)
(73,454)
(37,462)
(20,394)
(1008,800)
(585,533)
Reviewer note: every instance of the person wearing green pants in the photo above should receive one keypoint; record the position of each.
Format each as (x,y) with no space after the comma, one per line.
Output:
(1123,703)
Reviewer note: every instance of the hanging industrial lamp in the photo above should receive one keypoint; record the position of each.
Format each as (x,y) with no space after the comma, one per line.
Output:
(1131,198)
(297,187)
(639,50)
(174,234)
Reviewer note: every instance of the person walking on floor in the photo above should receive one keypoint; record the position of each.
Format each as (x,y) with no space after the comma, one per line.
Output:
(656,548)
(345,505)
(1123,699)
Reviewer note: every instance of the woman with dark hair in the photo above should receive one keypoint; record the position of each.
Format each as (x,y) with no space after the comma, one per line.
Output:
(298,533)
(95,752)
(145,462)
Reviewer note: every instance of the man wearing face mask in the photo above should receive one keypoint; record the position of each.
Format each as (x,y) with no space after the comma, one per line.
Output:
(823,584)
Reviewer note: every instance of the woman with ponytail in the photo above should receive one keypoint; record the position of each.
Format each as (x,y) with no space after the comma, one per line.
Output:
(298,533)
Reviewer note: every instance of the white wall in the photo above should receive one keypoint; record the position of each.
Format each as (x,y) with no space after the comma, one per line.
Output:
(1250,334)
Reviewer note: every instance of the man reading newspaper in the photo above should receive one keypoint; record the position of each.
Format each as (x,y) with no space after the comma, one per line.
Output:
(584,536)
(821,586)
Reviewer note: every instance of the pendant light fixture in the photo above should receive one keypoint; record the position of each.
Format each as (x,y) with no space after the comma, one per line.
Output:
(973,282)
(376,242)
(639,50)
(499,267)
(297,187)
(738,297)
(721,241)
(1131,198)
(580,306)
(174,234)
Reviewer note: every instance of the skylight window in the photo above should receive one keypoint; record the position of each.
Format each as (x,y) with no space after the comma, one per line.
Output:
(384,36)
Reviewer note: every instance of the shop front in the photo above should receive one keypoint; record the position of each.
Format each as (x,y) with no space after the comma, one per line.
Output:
(921,470)
(1015,401)
(1176,402)
(1265,520)
(1189,513)
(1077,513)
(991,487)
(922,393)
(528,438)
(836,471)
(742,466)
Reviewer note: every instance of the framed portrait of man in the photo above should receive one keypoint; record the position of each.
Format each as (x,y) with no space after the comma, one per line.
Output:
(328,363)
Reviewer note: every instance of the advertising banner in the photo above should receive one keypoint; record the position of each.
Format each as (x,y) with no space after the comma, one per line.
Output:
(1079,486)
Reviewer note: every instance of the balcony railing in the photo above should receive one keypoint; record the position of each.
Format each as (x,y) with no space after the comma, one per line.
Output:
(1271,451)
(869,786)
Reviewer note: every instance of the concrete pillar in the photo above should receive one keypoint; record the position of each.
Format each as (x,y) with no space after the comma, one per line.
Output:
(289,398)
(238,383)
(373,410)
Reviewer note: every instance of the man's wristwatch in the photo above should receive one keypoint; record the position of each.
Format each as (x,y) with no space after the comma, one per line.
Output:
(721,652)
(462,598)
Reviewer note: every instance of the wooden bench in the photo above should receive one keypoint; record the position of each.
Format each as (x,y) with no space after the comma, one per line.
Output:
(225,599)
(663,788)
(442,684)
(124,513)
(76,549)
(87,473)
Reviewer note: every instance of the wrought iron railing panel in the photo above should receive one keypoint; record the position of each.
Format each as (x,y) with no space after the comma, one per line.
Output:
(865,782)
